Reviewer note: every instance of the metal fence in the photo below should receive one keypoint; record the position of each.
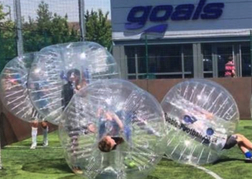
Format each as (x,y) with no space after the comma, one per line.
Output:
(27,26)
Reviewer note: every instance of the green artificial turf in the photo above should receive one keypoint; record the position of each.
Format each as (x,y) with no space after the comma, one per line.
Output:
(19,162)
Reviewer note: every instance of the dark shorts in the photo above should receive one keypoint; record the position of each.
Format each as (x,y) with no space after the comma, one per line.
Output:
(231,142)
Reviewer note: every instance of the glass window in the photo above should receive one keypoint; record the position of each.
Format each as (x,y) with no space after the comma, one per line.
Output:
(131,77)
(130,53)
(188,60)
(168,76)
(141,55)
(206,51)
(245,60)
(164,61)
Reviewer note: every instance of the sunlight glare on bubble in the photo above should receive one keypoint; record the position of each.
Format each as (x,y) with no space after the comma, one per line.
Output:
(83,55)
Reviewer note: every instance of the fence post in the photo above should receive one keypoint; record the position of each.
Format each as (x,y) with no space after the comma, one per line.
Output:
(146,56)
(18,23)
(82,19)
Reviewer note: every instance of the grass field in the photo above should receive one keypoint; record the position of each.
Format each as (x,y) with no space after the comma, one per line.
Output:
(19,162)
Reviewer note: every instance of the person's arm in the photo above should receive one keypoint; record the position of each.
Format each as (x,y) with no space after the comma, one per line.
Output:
(233,72)
(209,115)
(91,128)
(99,112)
(118,121)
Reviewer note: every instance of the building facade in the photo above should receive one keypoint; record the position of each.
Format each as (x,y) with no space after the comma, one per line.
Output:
(181,39)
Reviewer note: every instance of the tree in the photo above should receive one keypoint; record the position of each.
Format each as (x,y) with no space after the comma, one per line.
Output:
(44,17)
(98,28)
(60,30)
(7,38)
(2,14)
(47,29)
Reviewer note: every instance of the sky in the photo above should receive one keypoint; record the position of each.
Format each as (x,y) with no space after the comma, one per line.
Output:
(61,7)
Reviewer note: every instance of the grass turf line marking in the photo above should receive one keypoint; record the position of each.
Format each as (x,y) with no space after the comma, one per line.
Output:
(32,149)
(214,175)
(207,171)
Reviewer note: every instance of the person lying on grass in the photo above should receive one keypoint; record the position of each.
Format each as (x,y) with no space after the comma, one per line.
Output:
(244,144)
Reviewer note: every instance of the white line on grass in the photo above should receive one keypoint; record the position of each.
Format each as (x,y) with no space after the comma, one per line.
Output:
(31,149)
(207,171)
(214,175)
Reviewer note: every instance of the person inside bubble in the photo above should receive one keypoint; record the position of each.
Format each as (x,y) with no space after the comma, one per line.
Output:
(110,131)
(36,117)
(229,141)
(72,86)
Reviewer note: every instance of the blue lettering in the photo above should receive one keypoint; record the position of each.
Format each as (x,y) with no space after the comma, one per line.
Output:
(139,15)
(199,9)
(183,12)
(167,11)
(212,11)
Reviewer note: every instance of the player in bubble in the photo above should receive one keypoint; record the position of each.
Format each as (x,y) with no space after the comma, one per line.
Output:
(112,137)
(73,84)
(244,144)
(112,129)
(36,117)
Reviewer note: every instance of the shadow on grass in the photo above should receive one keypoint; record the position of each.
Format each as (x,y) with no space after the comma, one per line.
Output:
(47,167)
(228,160)
(73,176)
(80,176)
(3,172)
(247,127)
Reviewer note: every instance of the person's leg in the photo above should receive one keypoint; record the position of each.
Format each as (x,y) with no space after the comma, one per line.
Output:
(74,147)
(243,141)
(45,127)
(34,132)
(246,152)
(143,125)
(245,145)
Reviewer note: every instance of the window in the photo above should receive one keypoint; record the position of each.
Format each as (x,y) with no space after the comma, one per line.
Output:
(206,50)
(245,60)
(164,61)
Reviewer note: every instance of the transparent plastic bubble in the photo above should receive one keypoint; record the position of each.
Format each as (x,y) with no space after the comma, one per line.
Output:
(14,92)
(114,110)
(200,115)
(62,69)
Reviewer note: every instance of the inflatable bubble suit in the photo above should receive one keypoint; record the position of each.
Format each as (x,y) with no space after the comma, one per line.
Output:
(201,115)
(60,66)
(121,110)
(14,92)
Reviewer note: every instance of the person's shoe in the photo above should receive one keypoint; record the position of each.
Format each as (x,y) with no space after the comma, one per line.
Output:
(45,143)
(77,171)
(33,146)
(248,160)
